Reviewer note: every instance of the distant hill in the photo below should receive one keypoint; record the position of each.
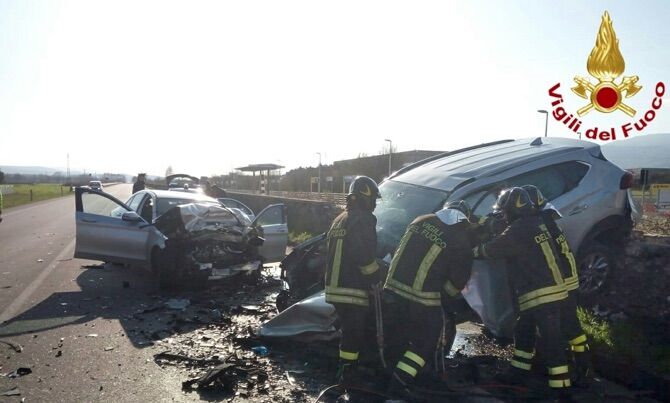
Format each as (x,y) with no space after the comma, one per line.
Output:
(33,170)
(646,151)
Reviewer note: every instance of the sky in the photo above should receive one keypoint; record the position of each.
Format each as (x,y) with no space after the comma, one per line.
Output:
(207,86)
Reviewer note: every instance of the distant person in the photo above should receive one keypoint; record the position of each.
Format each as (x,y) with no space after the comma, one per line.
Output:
(139,183)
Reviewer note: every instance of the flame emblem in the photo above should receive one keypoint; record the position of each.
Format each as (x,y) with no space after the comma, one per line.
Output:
(606,64)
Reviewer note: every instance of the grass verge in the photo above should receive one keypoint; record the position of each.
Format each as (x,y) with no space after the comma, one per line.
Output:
(295,238)
(628,342)
(40,191)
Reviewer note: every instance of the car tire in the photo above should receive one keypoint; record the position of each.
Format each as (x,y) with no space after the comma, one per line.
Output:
(595,265)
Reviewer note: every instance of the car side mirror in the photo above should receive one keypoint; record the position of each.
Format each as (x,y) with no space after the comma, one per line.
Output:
(131,216)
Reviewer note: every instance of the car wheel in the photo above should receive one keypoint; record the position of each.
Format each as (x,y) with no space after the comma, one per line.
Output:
(595,267)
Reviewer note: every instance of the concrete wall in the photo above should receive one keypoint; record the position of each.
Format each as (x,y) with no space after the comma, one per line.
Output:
(303,215)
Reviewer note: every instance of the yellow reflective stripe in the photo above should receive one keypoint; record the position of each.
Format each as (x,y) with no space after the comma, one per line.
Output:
(346,300)
(520,365)
(335,275)
(579,349)
(540,292)
(543,300)
(410,355)
(578,340)
(551,261)
(425,266)
(370,268)
(559,383)
(572,285)
(565,249)
(347,355)
(354,292)
(404,367)
(411,297)
(524,354)
(450,289)
(563,369)
(398,253)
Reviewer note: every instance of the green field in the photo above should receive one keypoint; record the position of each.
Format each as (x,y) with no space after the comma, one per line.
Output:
(40,191)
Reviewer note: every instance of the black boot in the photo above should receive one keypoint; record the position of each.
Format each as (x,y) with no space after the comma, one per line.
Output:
(398,391)
(583,372)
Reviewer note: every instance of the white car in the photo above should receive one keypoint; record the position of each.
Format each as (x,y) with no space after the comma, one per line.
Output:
(112,231)
(95,185)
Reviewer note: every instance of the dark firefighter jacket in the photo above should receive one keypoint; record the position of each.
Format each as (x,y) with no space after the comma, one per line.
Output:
(352,245)
(531,261)
(566,258)
(431,258)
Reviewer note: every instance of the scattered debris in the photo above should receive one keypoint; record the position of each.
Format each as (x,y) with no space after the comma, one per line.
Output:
(15,346)
(109,348)
(40,260)
(261,350)
(19,372)
(12,392)
(59,353)
(92,335)
(179,304)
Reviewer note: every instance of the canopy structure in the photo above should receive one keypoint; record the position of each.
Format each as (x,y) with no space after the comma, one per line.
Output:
(263,184)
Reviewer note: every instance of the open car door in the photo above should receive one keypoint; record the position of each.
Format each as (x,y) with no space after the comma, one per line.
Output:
(108,230)
(273,220)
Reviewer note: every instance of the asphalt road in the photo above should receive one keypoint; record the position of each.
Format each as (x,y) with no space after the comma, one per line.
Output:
(72,322)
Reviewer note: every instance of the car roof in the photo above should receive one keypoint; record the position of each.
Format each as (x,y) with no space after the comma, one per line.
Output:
(166,194)
(449,170)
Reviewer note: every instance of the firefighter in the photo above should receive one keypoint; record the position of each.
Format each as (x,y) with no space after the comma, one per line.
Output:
(352,270)
(430,268)
(532,264)
(572,329)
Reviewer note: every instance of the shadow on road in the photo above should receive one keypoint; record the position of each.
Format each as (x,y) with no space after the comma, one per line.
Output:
(127,294)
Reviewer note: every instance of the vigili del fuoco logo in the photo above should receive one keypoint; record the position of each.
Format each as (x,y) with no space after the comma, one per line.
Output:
(608,94)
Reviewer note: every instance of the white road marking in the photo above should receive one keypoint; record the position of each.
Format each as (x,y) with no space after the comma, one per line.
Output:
(18,303)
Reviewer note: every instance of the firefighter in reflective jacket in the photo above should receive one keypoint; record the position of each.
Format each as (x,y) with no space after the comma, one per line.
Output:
(532,263)
(572,329)
(433,260)
(352,269)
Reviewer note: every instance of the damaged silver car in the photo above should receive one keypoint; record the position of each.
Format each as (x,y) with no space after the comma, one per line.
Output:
(180,236)
(590,192)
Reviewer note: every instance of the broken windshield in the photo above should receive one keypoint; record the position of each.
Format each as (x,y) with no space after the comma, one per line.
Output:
(400,204)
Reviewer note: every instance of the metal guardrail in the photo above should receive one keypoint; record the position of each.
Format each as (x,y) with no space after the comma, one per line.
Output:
(335,198)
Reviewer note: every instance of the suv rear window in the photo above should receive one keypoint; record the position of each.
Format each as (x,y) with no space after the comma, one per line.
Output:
(553,181)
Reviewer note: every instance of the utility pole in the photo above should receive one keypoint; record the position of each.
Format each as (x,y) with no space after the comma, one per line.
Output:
(68,170)
(319,183)
(390,152)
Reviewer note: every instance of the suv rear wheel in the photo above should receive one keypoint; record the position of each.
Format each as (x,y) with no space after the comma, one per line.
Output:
(595,265)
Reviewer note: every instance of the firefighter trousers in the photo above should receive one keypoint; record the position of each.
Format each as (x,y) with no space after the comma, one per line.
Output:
(577,342)
(353,323)
(545,322)
(424,328)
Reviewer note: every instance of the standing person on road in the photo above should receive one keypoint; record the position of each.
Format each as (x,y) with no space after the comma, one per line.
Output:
(139,183)
(429,269)
(572,329)
(532,264)
(352,270)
